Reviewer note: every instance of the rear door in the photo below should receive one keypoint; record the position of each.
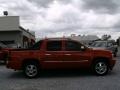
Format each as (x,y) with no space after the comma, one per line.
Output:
(53,54)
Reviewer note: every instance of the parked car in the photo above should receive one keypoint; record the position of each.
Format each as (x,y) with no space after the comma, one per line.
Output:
(108,45)
(60,53)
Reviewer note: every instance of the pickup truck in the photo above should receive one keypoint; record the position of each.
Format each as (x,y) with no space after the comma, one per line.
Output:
(60,53)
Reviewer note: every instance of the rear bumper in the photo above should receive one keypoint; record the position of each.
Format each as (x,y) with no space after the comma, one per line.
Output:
(13,65)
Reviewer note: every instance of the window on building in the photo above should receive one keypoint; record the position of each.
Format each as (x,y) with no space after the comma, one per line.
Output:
(54,46)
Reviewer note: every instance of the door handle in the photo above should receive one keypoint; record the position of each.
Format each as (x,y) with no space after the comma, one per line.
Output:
(67,54)
(48,54)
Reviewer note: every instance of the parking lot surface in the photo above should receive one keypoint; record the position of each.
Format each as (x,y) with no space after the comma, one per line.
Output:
(60,80)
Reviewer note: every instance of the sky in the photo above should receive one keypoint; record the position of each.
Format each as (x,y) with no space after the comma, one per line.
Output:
(56,18)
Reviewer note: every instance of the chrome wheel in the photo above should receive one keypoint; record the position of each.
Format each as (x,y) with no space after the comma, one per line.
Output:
(101,68)
(31,70)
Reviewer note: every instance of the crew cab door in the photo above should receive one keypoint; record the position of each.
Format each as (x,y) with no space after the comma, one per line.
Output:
(75,55)
(53,54)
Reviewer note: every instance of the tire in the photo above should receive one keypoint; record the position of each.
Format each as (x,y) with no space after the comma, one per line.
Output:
(100,67)
(31,70)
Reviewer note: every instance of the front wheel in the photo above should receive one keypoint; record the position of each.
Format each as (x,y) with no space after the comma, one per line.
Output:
(100,68)
(31,70)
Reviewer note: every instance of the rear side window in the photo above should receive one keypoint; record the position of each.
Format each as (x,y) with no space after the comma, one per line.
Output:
(54,46)
(36,46)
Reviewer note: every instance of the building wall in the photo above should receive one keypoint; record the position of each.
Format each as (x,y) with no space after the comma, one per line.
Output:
(10,30)
(8,23)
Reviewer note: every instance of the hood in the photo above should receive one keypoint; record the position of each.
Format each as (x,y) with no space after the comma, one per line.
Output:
(98,48)
(101,52)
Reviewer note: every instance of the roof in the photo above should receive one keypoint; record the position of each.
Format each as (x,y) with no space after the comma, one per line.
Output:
(25,30)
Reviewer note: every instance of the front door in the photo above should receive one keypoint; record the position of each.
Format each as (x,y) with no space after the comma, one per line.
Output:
(74,55)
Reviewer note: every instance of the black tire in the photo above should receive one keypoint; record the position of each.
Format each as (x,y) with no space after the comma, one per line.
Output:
(100,67)
(31,69)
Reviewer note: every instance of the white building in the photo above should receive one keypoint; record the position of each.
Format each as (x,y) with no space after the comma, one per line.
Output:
(11,33)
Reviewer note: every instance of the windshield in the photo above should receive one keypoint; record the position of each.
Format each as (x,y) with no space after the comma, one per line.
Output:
(98,44)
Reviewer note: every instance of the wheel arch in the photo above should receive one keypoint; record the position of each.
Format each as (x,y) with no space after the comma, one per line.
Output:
(30,60)
(100,58)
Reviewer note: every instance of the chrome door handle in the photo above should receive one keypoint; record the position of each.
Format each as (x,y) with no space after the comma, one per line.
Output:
(48,54)
(67,54)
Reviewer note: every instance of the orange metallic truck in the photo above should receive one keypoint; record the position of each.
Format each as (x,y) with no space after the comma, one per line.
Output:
(60,53)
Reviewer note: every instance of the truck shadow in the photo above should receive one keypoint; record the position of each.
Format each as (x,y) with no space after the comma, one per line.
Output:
(65,73)
(60,74)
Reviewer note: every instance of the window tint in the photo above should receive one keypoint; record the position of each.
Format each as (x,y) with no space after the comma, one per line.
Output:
(54,45)
(36,46)
(72,46)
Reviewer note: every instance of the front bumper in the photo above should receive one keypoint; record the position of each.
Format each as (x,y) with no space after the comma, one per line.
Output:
(112,63)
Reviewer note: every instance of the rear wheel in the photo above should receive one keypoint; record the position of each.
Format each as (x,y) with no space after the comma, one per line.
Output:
(100,67)
(31,70)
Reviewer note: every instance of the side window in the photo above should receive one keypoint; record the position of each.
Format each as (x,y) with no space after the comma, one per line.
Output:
(54,46)
(72,46)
